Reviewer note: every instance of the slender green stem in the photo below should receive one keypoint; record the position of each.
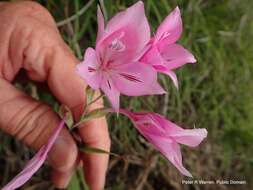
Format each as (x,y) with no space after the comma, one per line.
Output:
(96,99)
(77,124)
(75,16)
(102,5)
(85,111)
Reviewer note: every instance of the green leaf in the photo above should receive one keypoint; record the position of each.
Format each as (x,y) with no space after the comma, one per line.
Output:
(100,112)
(94,150)
(77,181)
(66,113)
(89,95)
(74,183)
(97,113)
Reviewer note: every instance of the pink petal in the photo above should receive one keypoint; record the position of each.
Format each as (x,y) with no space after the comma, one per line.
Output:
(111,92)
(35,163)
(133,17)
(165,135)
(175,56)
(168,72)
(189,137)
(125,36)
(153,57)
(173,153)
(167,146)
(171,28)
(143,52)
(88,69)
(173,77)
(136,79)
(101,24)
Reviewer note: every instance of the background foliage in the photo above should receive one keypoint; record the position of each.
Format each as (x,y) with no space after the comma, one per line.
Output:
(215,93)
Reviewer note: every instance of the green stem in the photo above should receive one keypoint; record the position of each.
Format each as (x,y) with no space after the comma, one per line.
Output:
(75,16)
(96,99)
(85,111)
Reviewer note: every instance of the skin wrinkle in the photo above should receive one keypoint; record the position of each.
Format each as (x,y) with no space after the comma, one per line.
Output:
(8,76)
(38,141)
(34,125)
(12,99)
(5,65)
(24,123)
(26,35)
(48,55)
(44,55)
(21,126)
(14,115)
(28,62)
(16,33)
(10,127)
(35,136)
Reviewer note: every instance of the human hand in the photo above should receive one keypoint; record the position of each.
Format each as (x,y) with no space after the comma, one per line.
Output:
(29,39)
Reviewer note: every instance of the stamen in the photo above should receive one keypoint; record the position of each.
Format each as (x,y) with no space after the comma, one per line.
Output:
(117,45)
(165,35)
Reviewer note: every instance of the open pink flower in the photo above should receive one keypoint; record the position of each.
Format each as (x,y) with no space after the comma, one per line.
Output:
(35,163)
(162,52)
(166,136)
(113,66)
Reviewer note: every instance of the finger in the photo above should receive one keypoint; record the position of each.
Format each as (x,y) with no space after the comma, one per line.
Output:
(69,89)
(33,123)
(95,134)
(61,178)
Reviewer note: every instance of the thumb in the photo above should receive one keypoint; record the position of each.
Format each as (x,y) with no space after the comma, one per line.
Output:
(33,123)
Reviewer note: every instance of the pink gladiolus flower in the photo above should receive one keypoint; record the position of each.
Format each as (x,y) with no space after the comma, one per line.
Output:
(163,53)
(113,66)
(166,136)
(35,163)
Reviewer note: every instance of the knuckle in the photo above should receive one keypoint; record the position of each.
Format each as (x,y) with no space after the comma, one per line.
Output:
(25,10)
(32,4)
(30,35)
(41,14)
(31,7)
(40,51)
(21,8)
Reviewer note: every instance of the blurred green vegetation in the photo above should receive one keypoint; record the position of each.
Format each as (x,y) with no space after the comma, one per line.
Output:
(216,93)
